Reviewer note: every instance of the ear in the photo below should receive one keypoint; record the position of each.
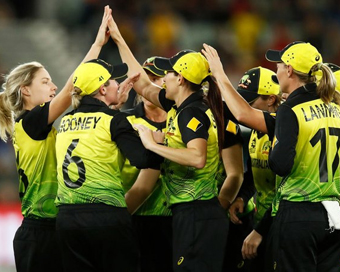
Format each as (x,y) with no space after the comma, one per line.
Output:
(25,91)
(271,100)
(289,70)
(102,90)
(180,79)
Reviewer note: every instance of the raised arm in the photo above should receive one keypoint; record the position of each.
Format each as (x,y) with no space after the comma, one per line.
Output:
(63,100)
(240,108)
(143,86)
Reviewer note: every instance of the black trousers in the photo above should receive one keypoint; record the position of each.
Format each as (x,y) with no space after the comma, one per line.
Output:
(36,247)
(300,240)
(233,261)
(155,242)
(97,237)
(200,230)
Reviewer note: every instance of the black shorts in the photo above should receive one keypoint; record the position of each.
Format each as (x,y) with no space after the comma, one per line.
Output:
(155,242)
(97,237)
(36,247)
(200,230)
(300,239)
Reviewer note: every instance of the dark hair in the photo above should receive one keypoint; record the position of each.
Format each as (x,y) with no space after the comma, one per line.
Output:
(215,103)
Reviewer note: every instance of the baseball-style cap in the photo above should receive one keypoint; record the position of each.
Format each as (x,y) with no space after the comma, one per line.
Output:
(258,81)
(149,65)
(193,66)
(300,55)
(90,75)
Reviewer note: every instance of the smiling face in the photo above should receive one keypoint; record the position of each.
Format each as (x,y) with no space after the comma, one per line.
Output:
(40,91)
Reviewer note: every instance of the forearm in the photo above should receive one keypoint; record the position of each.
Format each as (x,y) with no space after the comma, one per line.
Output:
(184,156)
(231,187)
(239,107)
(141,189)
(233,163)
(143,86)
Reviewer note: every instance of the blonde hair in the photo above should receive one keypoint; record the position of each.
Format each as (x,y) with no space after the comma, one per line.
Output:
(76,97)
(326,85)
(11,99)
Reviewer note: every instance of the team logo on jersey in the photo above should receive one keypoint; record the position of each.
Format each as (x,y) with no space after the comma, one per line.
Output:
(194,124)
(252,148)
(41,105)
(266,147)
(180,260)
(171,127)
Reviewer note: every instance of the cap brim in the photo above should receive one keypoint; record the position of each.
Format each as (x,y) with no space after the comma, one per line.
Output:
(273,55)
(274,78)
(154,70)
(247,95)
(333,67)
(119,70)
(163,64)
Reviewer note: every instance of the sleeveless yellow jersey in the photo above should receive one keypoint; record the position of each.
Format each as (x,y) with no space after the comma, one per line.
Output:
(156,202)
(263,176)
(34,145)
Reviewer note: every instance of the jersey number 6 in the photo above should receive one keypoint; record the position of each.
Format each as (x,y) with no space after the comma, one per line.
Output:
(80,166)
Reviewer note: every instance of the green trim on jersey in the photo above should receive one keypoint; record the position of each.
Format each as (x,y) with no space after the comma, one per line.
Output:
(263,176)
(36,164)
(184,183)
(156,202)
(89,162)
(315,175)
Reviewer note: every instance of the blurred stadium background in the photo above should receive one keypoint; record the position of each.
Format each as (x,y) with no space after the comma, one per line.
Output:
(58,33)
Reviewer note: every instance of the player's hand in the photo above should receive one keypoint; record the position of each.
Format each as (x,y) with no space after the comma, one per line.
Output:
(158,136)
(214,61)
(235,209)
(103,34)
(250,245)
(146,135)
(113,29)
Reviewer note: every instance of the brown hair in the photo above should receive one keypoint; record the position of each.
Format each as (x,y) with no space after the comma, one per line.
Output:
(215,103)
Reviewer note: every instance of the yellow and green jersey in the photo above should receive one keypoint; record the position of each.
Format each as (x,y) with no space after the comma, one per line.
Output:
(263,176)
(306,148)
(92,144)
(156,202)
(34,145)
(192,120)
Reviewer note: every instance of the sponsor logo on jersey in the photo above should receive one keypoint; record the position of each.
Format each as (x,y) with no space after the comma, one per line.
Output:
(194,124)
(180,260)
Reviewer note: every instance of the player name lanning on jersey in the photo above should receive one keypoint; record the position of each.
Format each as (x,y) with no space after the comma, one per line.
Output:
(321,111)
(80,123)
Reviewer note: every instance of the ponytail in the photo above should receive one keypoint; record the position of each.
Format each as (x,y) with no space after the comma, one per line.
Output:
(215,104)
(326,85)
(6,118)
